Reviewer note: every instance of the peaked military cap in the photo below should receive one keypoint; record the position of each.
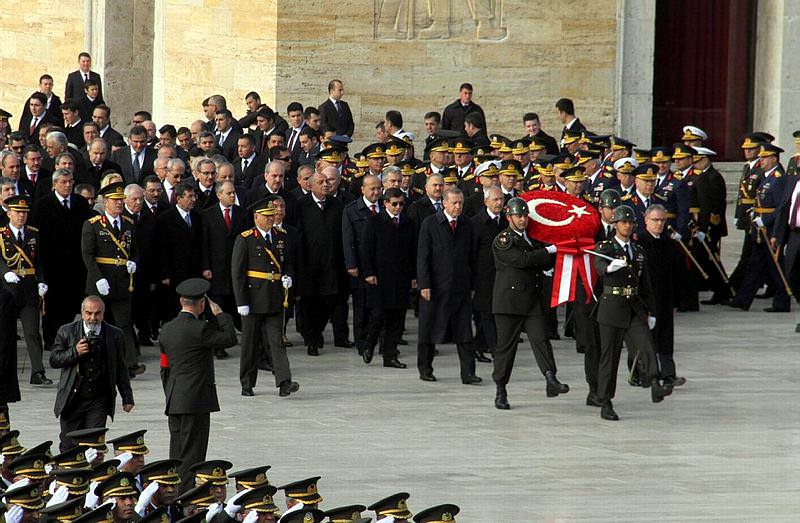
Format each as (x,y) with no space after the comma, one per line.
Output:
(102,514)
(374,150)
(682,151)
(690,132)
(617,143)
(72,458)
(438,514)
(9,445)
(252,477)
(164,471)
(537,144)
(18,203)
(304,490)
(496,141)
(134,442)
(646,171)
(26,496)
(769,149)
(41,448)
(347,514)
(213,471)
(263,207)
(200,496)
(65,512)
(574,174)
(193,288)
(626,165)
(511,168)
(461,146)
(660,154)
(113,191)
(120,484)
(571,136)
(76,480)
(396,504)
(94,438)
(5,421)
(259,499)
(105,470)
(395,147)
(30,466)
(438,145)
(5,115)
(304,515)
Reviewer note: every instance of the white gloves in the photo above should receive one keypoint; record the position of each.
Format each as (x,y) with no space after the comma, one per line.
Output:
(551,249)
(758,221)
(91,498)
(549,273)
(213,510)
(48,469)
(145,497)
(14,514)
(60,496)
(42,289)
(131,266)
(651,322)
(11,277)
(676,236)
(616,265)
(251,517)
(287,282)
(91,455)
(102,287)
(123,458)
(387,519)
(232,506)
(295,508)
(243,310)
(700,235)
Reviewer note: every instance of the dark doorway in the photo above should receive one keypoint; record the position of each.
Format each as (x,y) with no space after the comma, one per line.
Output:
(703,76)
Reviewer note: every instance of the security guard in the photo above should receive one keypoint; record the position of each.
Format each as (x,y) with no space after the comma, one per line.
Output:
(624,310)
(261,267)
(109,250)
(22,275)
(517,301)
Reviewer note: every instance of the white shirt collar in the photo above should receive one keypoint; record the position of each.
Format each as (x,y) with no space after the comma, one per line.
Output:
(263,233)
(317,200)
(182,212)
(393,216)
(569,124)
(491,214)
(14,230)
(369,204)
(86,328)
(449,218)
(224,136)
(222,208)
(622,243)
(251,157)
(111,219)
(642,197)
(60,198)
(434,202)
(334,102)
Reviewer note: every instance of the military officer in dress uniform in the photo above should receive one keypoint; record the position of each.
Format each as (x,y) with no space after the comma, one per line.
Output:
(303,491)
(21,269)
(438,514)
(624,310)
(160,480)
(395,506)
(262,268)
(109,250)
(518,303)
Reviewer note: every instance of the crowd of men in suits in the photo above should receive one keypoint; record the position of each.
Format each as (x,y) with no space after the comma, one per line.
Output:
(285,221)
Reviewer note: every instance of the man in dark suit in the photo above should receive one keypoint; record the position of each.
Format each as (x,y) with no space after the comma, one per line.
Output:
(101,115)
(534,129)
(625,310)
(273,184)
(222,222)
(205,175)
(179,235)
(488,223)
(30,124)
(59,216)
(429,204)
(53,104)
(518,303)
(446,278)
(89,353)
(144,229)
(356,214)
(262,266)
(388,255)
(453,115)
(566,113)
(99,165)
(227,135)
(248,165)
(41,179)
(188,342)
(321,277)
(296,124)
(89,100)
(76,80)
(136,160)
(73,123)
(334,113)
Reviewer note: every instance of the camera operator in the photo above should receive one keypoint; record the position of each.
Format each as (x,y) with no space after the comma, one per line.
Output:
(89,353)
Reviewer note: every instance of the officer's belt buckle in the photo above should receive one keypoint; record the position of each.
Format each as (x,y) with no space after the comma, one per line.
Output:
(626,292)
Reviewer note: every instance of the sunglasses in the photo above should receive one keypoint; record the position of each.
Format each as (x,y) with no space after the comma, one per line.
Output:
(395,204)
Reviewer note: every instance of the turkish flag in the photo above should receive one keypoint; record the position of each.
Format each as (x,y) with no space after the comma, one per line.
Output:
(571,224)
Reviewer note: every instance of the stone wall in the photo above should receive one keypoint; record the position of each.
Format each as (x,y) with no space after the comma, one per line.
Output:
(37,38)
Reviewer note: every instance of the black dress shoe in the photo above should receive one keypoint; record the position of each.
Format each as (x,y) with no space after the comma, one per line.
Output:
(288,387)
(739,306)
(367,355)
(607,412)
(401,341)
(501,399)
(312,351)
(658,392)
(427,377)
(247,391)
(471,380)
(715,301)
(593,401)
(346,344)
(554,387)
(674,381)
(481,357)
(286,342)
(773,309)
(220,354)
(40,379)
(393,363)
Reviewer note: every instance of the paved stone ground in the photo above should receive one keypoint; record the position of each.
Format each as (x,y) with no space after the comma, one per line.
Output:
(721,448)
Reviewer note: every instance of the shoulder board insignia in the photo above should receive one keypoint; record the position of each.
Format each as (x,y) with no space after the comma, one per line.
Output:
(678,176)
(588,198)
(351,170)
(418,190)
(3,229)
(469,177)
(358,175)
(279,229)
(607,174)
(420,170)
(31,227)
(127,219)
(247,233)
(777,174)
(660,197)
(533,187)
(626,197)
(95,219)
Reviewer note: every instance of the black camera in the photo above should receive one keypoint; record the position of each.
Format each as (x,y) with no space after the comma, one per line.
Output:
(94,342)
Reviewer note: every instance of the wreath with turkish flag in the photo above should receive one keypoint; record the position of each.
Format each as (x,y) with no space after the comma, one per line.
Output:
(571,224)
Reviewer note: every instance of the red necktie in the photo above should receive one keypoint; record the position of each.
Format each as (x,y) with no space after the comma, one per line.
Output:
(33,125)
(172,197)
(33,178)
(373,209)
(396,221)
(228,218)
(453,226)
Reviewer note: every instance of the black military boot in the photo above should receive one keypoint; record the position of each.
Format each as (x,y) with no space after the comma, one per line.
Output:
(501,399)
(554,387)
(658,391)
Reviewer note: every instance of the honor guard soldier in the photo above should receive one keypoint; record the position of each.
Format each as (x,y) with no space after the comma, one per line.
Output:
(262,266)
(121,489)
(21,269)
(160,481)
(395,505)
(303,491)
(25,501)
(65,512)
(93,439)
(517,301)
(624,311)
(29,466)
(109,252)
(438,514)
(261,501)
(132,444)
(214,472)
(75,481)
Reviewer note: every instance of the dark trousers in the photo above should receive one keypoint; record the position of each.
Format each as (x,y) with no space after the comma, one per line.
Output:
(263,330)
(582,322)
(485,331)
(737,276)
(316,311)
(551,313)
(143,308)
(637,338)
(30,316)
(118,313)
(664,344)
(389,322)
(759,268)
(360,318)
(188,438)
(62,303)
(341,310)
(466,358)
(508,330)
(82,413)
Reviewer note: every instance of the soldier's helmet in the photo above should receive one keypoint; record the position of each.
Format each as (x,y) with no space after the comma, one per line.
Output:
(610,198)
(516,207)
(623,213)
